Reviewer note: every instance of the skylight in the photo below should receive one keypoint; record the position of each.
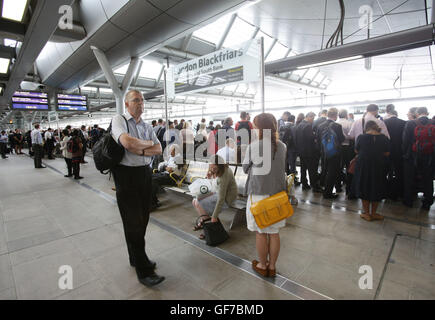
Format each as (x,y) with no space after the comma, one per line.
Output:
(14,9)
(213,31)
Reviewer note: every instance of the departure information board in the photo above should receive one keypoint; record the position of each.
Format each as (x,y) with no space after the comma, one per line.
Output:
(71,102)
(30,100)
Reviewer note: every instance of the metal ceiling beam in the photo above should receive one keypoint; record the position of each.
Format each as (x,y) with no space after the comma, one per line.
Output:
(133,83)
(393,42)
(160,76)
(186,42)
(227,31)
(12,30)
(43,23)
(271,48)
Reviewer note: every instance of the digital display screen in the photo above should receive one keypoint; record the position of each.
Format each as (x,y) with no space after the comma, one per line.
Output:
(29,106)
(71,102)
(30,100)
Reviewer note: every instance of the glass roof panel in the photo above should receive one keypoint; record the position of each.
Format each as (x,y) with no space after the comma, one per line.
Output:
(278,52)
(239,32)
(122,70)
(213,31)
(150,69)
(311,73)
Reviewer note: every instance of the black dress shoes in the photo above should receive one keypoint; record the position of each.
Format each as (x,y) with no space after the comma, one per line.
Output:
(152,264)
(68,175)
(151,280)
(330,196)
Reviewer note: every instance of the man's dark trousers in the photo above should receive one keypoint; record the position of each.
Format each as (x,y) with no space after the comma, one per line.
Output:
(424,171)
(133,194)
(311,164)
(38,152)
(332,173)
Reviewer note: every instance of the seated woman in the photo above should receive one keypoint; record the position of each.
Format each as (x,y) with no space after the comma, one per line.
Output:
(173,165)
(226,192)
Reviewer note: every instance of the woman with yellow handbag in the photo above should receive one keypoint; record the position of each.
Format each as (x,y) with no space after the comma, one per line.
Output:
(268,203)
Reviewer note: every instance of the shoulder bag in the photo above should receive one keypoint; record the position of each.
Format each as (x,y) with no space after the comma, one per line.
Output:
(271,210)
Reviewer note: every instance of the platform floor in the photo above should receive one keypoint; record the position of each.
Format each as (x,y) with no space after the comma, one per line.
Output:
(47,221)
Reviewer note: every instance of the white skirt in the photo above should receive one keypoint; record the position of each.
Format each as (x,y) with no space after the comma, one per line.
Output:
(252,225)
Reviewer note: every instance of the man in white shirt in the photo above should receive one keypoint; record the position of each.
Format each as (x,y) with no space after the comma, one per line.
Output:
(371,115)
(133,182)
(37,146)
(347,152)
(228,153)
(49,143)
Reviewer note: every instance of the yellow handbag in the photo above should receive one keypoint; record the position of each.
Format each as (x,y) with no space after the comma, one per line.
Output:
(271,210)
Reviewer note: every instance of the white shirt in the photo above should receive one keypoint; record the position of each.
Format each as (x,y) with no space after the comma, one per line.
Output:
(47,135)
(36,136)
(140,130)
(346,125)
(357,128)
(85,134)
(228,154)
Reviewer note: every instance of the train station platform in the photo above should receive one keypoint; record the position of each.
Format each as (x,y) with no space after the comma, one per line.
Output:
(48,221)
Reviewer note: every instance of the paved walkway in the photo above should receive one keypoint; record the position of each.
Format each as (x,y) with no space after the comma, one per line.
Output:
(48,221)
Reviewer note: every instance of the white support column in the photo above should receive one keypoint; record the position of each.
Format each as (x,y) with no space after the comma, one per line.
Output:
(118,91)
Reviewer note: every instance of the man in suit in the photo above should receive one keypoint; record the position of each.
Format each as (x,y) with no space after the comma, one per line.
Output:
(395,127)
(331,164)
(307,150)
(417,165)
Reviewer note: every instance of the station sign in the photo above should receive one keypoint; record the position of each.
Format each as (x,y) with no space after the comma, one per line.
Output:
(238,63)
(30,100)
(71,102)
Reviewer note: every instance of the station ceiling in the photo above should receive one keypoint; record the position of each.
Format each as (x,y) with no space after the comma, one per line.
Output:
(151,29)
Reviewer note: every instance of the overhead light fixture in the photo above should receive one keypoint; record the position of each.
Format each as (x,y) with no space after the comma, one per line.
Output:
(4,65)
(14,9)
(330,62)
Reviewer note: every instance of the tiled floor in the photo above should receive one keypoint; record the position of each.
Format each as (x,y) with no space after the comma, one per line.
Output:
(47,221)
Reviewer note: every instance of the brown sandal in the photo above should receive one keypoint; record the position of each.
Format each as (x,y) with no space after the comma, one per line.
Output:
(377,216)
(271,272)
(262,272)
(366,217)
(202,236)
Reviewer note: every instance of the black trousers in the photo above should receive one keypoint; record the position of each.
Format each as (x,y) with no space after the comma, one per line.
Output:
(332,173)
(395,177)
(417,178)
(133,194)
(76,167)
(3,147)
(291,162)
(311,164)
(84,153)
(69,166)
(38,153)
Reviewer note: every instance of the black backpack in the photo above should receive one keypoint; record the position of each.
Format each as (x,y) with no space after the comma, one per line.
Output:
(107,152)
(286,135)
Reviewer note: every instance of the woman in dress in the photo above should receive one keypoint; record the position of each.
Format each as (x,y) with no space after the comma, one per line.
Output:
(369,181)
(264,163)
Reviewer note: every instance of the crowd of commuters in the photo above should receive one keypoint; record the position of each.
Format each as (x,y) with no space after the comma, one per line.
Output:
(371,158)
